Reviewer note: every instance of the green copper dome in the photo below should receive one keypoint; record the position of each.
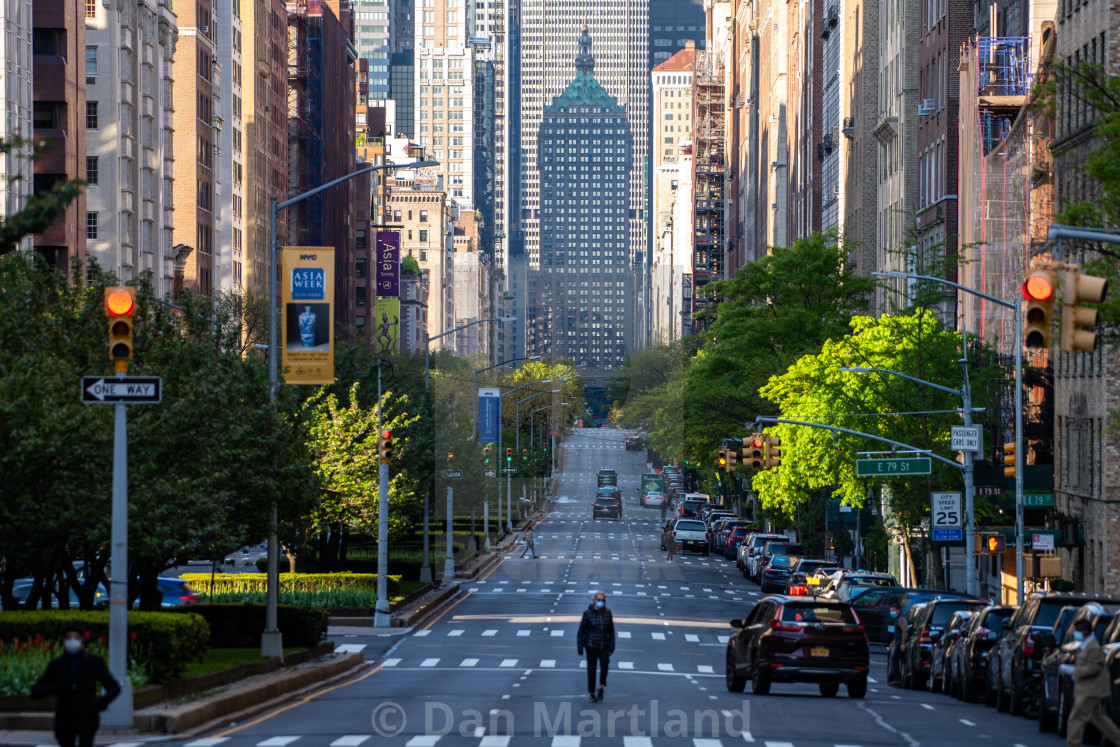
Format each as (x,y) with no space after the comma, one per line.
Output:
(584,90)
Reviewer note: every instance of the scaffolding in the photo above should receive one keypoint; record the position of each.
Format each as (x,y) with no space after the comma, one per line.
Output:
(709,166)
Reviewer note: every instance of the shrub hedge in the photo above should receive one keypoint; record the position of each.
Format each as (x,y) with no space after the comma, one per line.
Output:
(240,625)
(165,642)
(322,583)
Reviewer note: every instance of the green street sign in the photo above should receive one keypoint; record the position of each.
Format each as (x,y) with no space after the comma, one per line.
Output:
(1038,500)
(889,467)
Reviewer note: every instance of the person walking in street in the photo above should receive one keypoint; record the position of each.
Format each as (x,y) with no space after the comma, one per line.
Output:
(530,542)
(900,634)
(596,636)
(1091,684)
(670,547)
(76,679)
(664,508)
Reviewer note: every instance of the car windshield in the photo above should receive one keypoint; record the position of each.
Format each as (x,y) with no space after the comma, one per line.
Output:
(870,581)
(1048,614)
(819,613)
(690,526)
(869,598)
(995,620)
(780,561)
(943,612)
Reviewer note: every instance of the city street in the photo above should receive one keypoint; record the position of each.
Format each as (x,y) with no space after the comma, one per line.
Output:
(500,667)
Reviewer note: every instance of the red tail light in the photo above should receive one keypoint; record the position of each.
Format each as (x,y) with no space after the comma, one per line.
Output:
(853,629)
(189,598)
(1028,646)
(787,627)
(924,637)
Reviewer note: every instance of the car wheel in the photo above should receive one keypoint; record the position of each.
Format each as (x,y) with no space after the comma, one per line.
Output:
(1003,699)
(990,688)
(1047,719)
(829,689)
(858,688)
(1024,699)
(1063,713)
(705,551)
(760,682)
(967,689)
(735,683)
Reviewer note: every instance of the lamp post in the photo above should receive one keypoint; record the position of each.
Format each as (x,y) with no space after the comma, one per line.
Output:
(517,411)
(1017,308)
(534,412)
(425,565)
(477,371)
(965,393)
(271,641)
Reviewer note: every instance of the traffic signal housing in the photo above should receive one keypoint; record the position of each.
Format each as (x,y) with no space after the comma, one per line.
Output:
(732,459)
(486,454)
(995,543)
(385,445)
(1038,292)
(754,455)
(119,306)
(1078,320)
(1010,460)
(509,454)
(721,460)
(773,452)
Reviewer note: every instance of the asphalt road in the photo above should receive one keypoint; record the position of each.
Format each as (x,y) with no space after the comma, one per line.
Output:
(500,667)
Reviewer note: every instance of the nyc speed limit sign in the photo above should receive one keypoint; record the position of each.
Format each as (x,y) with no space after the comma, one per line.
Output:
(945,510)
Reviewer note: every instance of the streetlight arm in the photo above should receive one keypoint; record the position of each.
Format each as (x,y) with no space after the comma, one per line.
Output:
(359,172)
(850,432)
(471,324)
(511,391)
(943,281)
(863,369)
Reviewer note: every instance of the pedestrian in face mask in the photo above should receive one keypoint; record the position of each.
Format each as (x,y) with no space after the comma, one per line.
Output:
(76,679)
(899,635)
(596,634)
(1091,684)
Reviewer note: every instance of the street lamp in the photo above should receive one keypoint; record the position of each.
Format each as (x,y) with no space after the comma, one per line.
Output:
(271,642)
(477,371)
(1017,308)
(517,412)
(428,338)
(534,412)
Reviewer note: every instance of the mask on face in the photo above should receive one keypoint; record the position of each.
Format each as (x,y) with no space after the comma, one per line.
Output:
(72,645)
(894,613)
(1078,635)
(600,604)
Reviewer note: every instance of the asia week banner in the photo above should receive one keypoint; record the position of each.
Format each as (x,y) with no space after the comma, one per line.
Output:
(307,342)
(387,277)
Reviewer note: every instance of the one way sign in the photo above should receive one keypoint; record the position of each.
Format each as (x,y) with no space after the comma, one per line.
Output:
(131,390)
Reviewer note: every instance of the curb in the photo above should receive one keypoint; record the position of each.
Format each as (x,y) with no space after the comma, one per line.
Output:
(481,566)
(426,606)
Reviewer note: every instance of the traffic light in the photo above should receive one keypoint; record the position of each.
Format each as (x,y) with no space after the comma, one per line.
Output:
(1038,291)
(450,456)
(721,462)
(773,452)
(509,454)
(732,459)
(385,445)
(754,455)
(119,305)
(995,543)
(1079,289)
(486,454)
(525,455)
(1010,460)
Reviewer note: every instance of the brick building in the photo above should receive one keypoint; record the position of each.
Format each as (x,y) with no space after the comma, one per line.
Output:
(809,140)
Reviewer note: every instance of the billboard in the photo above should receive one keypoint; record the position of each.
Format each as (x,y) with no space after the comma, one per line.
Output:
(307,341)
(489,415)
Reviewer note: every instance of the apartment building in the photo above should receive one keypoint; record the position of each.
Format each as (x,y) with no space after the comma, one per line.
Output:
(229,154)
(129,150)
(809,140)
(16,168)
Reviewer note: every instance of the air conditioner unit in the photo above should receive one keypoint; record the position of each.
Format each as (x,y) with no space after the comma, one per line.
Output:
(922,111)
(930,104)
(204,29)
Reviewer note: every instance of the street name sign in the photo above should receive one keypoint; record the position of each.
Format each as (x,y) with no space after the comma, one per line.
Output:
(453,474)
(966,438)
(907,466)
(131,390)
(945,508)
(990,490)
(845,509)
(509,470)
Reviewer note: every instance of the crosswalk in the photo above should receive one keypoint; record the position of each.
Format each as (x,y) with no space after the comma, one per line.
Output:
(526,664)
(679,590)
(495,740)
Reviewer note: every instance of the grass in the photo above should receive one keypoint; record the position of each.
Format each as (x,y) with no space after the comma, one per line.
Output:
(407,587)
(217,659)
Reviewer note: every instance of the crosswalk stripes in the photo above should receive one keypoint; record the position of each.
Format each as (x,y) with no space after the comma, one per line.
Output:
(206,742)
(350,741)
(349,648)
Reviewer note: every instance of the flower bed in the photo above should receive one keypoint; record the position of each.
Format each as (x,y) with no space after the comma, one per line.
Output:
(330,590)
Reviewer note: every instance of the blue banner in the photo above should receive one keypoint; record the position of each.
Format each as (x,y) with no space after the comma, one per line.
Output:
(489,413)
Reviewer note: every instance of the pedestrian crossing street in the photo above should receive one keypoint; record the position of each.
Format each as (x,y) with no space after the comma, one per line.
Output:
(493,740)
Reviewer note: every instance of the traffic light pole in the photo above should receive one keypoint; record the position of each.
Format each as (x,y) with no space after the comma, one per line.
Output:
(449,561)
(381,615)
(119,713)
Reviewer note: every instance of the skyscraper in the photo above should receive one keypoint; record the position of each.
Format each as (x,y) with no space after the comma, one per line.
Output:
(580,298)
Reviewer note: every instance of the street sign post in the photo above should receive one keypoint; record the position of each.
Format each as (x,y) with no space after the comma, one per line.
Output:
(453,474)
(129,390)
(509,470)
(902,466)
(967,438)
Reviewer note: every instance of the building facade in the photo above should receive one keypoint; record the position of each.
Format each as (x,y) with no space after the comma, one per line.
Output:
(16,168)
(129,147)
(580,303)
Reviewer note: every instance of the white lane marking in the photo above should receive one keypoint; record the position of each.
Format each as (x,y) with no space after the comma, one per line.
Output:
(454,633)
(523,633)
(206,742)
(508,663)
(637,742)
(704,668)
(386,663)
(494,741)
(277,741)
(748,737)
(692,638)
(429,662)
(353,740)
(422,633)
(489,633)
(927,706)
(966,722)
(422,740)
(349,648)
(701,742)
(468,663)
(565,741)
(624,634)
(548,663)
(779,744)
(557,633)
(625,665)
(665,667)
(723,638)
(658,636)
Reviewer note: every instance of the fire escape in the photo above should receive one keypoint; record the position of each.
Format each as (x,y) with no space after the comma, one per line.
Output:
(709,180)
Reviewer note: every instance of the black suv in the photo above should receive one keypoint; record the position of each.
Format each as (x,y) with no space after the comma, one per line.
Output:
(1013,663)
(608,477)
(925,630)
(607,506)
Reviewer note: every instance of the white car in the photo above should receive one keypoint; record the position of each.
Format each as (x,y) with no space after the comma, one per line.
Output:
(653,499)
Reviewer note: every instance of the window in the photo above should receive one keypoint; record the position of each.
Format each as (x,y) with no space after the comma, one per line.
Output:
(423,216)
(360,295)
(49,114)
(423,234)
(91,8)
(91,62)
(91,115)
(91,169)
(48,41)
(91,225)
(360,267)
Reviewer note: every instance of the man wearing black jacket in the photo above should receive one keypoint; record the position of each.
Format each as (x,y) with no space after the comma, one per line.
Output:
(76,679)
(596,634)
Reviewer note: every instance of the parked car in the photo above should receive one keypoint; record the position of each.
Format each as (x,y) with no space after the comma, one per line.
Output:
(754,545)
(688,509)
(738,533)
(176,591)
(968,656)
(776,573)
(1056,689)
(873,606)
(844,582)
(806,574)
(942,645)
(927,627)
(635,443)
(689,534)
(787,639)
(776,547)
(653,499)
(607,506)
(1014,662)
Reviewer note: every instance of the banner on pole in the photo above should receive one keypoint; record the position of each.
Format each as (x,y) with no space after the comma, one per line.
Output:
(388,264)
(388,325)
(489,414)
(307,344)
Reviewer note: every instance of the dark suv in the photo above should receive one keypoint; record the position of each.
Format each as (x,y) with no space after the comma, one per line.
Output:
(607,477)
(927,628)
(1013,663)
(607,506)
(796,639)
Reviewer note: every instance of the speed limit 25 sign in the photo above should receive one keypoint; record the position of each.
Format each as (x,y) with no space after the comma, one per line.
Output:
(945,510)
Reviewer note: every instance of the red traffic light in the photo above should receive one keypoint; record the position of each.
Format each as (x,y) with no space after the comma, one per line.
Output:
(119,303)
(386,434)
(756,443)
(1039,286)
